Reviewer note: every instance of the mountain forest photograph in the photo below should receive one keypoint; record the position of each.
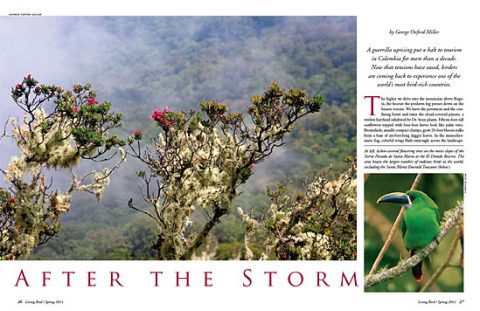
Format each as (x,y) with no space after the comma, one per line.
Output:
(179,138)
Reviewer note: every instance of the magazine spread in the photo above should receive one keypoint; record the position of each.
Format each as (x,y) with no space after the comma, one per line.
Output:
(238,155)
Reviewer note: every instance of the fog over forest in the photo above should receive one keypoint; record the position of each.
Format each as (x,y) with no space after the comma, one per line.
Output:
(143,63)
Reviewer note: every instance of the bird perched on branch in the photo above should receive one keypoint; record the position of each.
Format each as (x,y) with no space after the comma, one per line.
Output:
(420,223)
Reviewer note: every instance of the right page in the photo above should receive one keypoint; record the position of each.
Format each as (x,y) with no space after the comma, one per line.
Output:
(415,111)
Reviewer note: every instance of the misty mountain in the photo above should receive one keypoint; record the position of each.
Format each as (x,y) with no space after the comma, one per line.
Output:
(143,63)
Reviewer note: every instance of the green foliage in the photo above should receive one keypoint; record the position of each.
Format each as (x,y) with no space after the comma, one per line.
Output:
(130,238)
(213,109)
(229,251)
(74,113)
(85,136)
(119,254)
(75,127)
(230,230)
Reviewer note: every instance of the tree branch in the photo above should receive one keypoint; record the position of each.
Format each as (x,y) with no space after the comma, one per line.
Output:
(451,220)
(130,205)
(377,220)
(219,212)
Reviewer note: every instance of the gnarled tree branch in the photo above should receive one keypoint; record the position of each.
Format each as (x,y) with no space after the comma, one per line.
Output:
(451,220)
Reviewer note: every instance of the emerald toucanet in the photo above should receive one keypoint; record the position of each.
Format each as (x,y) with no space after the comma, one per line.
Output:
(420,223)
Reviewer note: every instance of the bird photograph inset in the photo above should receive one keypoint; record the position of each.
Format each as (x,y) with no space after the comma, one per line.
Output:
(420,222)
(413,226)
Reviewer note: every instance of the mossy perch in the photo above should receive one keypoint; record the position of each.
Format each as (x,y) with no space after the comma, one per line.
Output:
(451,219)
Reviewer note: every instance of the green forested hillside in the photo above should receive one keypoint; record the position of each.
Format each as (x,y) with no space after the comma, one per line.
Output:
(153,62)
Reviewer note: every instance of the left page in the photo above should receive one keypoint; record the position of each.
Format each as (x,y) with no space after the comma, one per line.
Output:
(173,153)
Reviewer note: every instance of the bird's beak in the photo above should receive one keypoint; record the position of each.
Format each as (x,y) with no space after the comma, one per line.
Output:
(395,197)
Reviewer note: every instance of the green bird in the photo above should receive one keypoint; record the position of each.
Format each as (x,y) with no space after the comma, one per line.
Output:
(420,222)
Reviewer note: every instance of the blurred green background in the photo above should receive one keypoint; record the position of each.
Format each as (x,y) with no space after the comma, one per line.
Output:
(446,190)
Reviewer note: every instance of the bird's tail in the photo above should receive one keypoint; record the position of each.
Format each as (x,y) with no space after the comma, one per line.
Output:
(417,270)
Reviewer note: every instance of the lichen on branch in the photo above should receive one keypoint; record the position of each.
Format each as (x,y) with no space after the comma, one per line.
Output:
(451,218)
(60,128)
(319,224)
(201,158)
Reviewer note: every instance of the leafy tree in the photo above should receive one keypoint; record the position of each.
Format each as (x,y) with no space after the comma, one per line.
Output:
(201,158)
(59,129)
(319,224)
